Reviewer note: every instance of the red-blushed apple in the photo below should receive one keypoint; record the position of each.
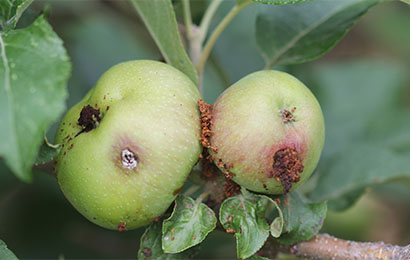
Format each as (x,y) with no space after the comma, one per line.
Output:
(129,145)
(267,132)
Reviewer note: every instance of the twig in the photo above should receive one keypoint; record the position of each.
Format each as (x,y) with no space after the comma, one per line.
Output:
(324,246)
(206,20)
(215,34)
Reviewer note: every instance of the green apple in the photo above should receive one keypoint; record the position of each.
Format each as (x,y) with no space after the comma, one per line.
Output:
(129,145)
(267,132)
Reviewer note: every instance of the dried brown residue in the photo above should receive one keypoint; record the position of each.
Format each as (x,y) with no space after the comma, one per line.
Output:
(287,115)
(122,227)
(231,189)
(224,168)
(89,119)
(287,167)
(206,123)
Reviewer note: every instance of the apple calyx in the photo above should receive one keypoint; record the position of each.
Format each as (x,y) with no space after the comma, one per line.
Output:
(287,115)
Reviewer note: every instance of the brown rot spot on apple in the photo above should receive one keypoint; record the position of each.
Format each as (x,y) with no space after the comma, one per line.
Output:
(287,167)
(89,119)
(287,115)
(147,252)
(129,159)
(122,227)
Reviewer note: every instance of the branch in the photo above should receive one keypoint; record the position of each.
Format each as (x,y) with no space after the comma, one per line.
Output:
(324,246)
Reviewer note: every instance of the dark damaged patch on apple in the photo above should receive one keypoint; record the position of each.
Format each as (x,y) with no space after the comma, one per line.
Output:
(287,167)
(89,119)
(122,227)
(287,115)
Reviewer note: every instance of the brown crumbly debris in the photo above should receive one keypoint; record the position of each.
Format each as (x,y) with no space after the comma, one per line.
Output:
(287,116)
(122,227)
(206,116)
(89,119)
(287,166)
(231,189)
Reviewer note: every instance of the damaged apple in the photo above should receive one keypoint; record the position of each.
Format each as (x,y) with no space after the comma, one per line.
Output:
(269,129)
(129,145)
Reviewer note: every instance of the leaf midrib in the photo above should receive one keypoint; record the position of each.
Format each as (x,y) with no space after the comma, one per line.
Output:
(304,33)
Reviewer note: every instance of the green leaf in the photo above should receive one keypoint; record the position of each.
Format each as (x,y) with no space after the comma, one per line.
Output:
(5,253)
(34,68)
(11,11)
(279,2)
(159,17)
(47,152)
(190,222)
(367,140)
(244,214)
(406,1)
(302,219)
(151,245)
(351,170)
(298,33)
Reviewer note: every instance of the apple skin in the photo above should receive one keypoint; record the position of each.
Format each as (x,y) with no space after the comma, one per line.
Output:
(149,108)
(248,129)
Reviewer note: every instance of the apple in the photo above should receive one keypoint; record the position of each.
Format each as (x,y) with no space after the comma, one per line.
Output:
(267,132)
(129,145)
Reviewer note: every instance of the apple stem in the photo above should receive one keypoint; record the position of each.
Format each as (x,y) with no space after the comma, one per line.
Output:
(206,20)
(202,197)
(192,190)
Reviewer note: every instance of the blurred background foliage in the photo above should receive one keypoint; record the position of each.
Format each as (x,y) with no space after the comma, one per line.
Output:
(363,85)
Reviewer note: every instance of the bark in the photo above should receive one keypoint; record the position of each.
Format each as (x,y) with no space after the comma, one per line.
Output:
(324,246)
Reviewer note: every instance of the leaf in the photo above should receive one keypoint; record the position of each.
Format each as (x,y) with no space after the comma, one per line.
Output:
(406,1)
(11,11)
(351,170)
(279,2)
(34,69)
(5,253)
(47,152)
(367,140)
(190,222)
(159,17)
(151,245)
(244,215)
(298,33)
(302,219)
